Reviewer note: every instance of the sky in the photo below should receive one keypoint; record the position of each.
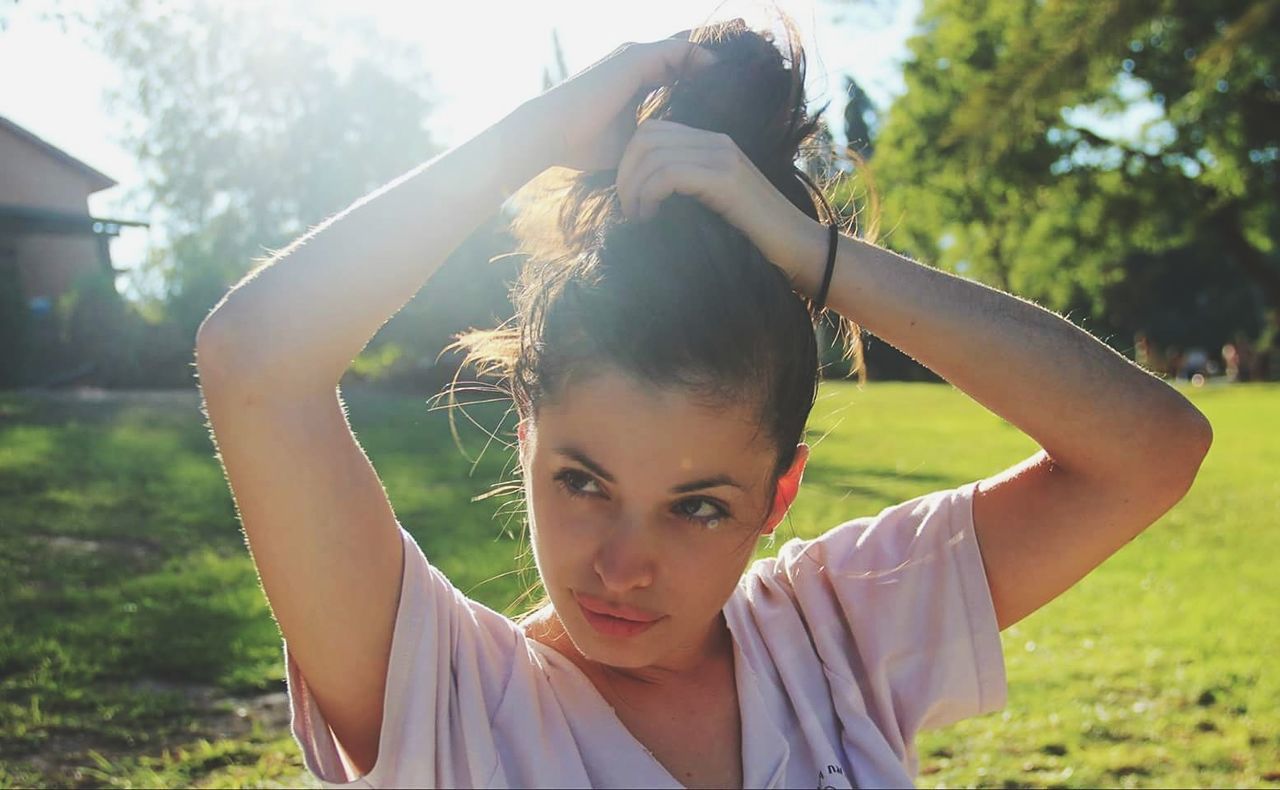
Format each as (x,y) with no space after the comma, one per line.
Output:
(65,105)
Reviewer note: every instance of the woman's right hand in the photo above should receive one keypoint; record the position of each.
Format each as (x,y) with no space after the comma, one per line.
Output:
(590,117)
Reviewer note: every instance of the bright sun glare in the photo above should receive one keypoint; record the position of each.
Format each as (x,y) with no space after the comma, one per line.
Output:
(483,58)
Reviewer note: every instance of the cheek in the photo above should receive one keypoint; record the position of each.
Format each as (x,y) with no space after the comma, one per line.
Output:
(707,569)
(561,535)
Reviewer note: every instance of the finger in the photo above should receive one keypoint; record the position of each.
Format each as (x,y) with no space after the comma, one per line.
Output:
(646,136)
(654,133)
(704,151)
(651,138)
(680,172)
(631,191)
(642,140)
(692,176)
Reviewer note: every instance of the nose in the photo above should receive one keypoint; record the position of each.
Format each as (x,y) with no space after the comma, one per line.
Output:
(625,560)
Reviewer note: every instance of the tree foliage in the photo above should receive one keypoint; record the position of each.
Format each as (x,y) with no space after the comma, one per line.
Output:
(253,122)
(1041,144)
(859,118)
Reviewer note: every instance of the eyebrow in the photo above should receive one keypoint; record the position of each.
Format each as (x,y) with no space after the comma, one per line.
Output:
(683,488)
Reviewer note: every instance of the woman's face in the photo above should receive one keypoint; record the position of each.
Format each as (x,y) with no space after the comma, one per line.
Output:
(646,502)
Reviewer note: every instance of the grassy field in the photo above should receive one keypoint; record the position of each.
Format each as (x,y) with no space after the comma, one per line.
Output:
(137,650)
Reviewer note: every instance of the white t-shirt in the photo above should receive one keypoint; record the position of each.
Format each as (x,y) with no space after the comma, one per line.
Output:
(846,646)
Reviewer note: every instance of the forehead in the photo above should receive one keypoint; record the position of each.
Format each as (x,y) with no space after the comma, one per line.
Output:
(624,423)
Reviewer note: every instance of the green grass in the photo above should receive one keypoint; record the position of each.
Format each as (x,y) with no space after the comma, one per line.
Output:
(132,627)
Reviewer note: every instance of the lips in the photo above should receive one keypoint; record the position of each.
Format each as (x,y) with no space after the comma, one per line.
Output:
(630,613)
(615,622)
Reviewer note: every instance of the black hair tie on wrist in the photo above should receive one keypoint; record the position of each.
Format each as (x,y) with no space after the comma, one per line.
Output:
(821,302)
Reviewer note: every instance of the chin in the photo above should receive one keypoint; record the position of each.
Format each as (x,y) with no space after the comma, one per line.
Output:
(631,653)
(618,656)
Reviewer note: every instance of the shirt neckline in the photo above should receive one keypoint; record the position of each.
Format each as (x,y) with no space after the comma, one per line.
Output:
(764,745)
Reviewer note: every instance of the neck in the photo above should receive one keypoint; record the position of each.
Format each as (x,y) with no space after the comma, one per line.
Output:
(685,666)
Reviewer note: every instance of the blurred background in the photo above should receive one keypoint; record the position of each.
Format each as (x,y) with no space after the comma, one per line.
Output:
(1115,162)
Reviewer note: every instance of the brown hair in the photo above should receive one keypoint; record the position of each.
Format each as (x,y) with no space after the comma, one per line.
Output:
(683,299)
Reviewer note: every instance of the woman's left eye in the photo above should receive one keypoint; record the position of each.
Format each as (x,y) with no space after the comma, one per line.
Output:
(703,510)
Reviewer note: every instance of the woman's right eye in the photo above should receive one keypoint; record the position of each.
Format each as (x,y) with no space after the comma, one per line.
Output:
(577,483)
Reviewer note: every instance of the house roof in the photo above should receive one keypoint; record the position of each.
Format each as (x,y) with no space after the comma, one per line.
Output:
(97,180)
(34,219)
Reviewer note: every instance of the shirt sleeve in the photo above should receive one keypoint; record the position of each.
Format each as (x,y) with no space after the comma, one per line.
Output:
(451,659)
(899,606)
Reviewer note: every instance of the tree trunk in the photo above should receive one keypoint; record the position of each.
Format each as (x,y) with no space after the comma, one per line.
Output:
(1251,260)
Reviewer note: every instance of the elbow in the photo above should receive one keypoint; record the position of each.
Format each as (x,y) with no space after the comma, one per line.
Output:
(1202,435)
(1189,446)
(231,355)
(219,348)
(1198,437)
(211,344)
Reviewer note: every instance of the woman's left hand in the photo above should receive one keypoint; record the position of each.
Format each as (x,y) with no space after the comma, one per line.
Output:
(663,158)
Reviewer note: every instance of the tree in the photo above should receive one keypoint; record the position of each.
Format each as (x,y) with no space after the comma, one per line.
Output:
(56,11)
(859,117)
(1041,144)
(253,122)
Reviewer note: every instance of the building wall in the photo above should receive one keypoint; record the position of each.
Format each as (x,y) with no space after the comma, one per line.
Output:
(30,176)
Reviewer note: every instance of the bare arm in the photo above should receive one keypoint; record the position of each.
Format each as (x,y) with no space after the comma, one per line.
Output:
(1120,447)
(319,525)
(301,319)
(320,528)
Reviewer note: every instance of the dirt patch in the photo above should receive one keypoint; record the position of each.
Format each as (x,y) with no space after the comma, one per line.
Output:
(99,395)
(122,547)
(239,714)
(63,759)
(224,716)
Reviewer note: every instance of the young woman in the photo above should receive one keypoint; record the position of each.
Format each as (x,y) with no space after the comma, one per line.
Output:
(663,364)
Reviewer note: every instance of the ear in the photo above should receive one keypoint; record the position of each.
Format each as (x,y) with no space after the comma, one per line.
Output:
(788,488)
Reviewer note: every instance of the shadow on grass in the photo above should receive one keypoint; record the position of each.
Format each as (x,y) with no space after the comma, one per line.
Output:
(876,483)
(128,602)
(122,573)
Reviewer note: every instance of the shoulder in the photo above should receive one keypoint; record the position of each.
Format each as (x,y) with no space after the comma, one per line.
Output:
(910,532)
(894,609)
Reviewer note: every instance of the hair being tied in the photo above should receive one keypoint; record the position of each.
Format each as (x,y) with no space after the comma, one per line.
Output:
(682,299)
